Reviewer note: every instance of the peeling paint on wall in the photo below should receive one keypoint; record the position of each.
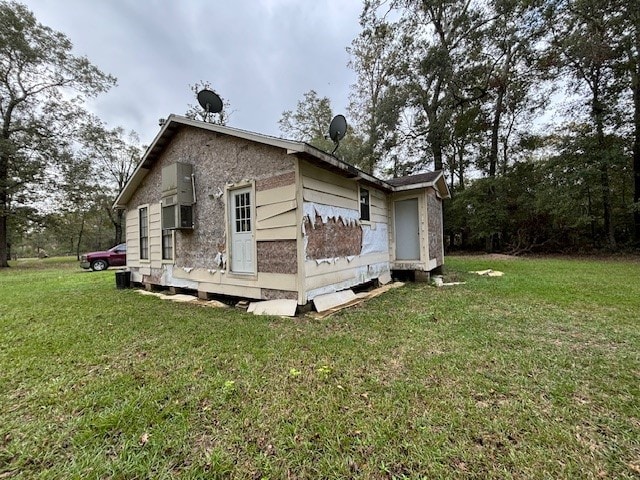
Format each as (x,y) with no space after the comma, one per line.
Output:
(347,216)
(168,279)
(330,232)
(375,240)
(361,275)
(331,239)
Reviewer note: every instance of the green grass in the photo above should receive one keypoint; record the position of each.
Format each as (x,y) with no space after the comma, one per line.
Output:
(532,375)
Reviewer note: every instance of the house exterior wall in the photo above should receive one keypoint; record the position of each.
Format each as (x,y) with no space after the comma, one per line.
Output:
(308,237)
(220,164)
(340,251)
(435,229)
(430,230)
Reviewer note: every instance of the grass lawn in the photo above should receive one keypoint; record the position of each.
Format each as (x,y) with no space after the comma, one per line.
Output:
(532,375)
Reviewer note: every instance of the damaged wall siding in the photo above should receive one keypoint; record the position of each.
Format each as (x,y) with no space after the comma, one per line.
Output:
(340,250)
(271,294)
(375,239)
(276,181)
(276,211)
(434,220)
(326,188)
(331,238)
(218,160)
(278,256)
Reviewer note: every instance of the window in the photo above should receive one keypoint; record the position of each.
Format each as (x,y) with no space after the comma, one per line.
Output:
(144,233)
(167,244)
(364,204)
(243,212)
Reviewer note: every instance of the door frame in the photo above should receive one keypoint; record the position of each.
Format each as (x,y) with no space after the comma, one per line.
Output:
(230,190)
(421,227)
(418,244)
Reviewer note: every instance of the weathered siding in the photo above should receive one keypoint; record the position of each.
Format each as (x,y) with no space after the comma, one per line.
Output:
(155,236)
(326,188)
(131,236)
(275,213)
(339,250)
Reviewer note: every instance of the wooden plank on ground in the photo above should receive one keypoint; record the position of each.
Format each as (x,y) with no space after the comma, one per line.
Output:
(360,297)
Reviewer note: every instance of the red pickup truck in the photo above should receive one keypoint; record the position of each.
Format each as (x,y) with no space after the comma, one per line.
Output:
(114,257)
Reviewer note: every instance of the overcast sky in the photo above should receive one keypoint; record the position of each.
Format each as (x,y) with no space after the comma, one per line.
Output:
(260,55)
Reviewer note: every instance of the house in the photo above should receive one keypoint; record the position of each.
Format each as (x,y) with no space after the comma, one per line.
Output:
(225,211)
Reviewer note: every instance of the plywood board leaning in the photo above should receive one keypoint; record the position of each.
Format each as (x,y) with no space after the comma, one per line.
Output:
(280,307)
(332,300)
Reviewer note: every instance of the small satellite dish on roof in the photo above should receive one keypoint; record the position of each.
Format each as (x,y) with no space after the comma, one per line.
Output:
(210,101)
(337,130)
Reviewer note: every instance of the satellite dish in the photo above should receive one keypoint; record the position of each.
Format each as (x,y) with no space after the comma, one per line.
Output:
(337,130)
(210,101)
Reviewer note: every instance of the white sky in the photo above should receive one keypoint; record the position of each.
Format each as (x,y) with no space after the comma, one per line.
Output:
(260,55)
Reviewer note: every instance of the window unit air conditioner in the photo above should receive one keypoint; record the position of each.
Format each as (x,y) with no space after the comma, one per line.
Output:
(176,215)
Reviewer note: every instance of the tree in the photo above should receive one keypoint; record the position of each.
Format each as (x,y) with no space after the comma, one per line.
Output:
(310,121)
(77,197)
(39,75)
(516,31)
(196,112)
(113,155)
(444,74)
(376,101)
(586,39)
(628,21)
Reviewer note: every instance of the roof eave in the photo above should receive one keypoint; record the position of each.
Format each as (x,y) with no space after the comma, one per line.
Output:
(438,183)
(349,170)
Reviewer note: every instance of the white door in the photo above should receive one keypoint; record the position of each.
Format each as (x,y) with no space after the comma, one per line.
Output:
(241,231)
(407,230)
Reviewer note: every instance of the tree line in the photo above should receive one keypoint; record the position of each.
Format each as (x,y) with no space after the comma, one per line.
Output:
(530,107)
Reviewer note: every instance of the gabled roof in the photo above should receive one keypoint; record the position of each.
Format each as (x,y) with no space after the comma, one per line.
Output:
(303,150)
(421,180)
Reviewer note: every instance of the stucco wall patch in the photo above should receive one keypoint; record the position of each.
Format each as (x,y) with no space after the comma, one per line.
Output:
(434,222)
(277,256)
